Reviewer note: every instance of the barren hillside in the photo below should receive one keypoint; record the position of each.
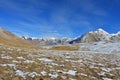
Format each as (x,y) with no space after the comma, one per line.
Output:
(9,39)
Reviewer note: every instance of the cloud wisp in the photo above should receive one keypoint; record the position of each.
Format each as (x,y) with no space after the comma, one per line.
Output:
(45,16)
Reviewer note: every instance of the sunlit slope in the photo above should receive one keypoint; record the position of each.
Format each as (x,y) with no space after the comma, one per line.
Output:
(7,38)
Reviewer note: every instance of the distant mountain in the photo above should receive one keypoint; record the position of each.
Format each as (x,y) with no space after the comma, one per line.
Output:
(8,38)
(96,36)
(47,41)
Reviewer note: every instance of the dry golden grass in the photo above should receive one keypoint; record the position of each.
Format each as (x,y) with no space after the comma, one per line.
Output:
(83,69)
(69,48)
(9,39)
(17,43)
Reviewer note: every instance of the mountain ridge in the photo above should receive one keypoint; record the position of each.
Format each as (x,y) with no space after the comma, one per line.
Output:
(96,36)
(92,36)
(9,39)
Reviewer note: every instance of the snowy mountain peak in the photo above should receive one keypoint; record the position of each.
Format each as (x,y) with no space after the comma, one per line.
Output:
(101,31)
(118,32)
(94,36)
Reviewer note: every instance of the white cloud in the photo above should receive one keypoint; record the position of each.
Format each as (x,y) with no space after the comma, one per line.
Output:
(89,6)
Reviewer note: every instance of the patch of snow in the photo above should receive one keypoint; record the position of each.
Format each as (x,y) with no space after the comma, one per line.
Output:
(54,64)
(102,47)
(100,30)
(33,74)
(45,60)
(21,73)
(15,61)
(59,71)
(20,57)
(107,79)
(44,73)
(71,72)
(100,64)
(83,74)
(67,60)
(71,79)
(102,73)
(6,57)
(30,55)
(28,61)
(53,75)
(107,69)
(13,66)
(80,60)
(68,57)
(62,65)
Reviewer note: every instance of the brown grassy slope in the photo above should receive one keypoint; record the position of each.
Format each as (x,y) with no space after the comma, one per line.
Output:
(9,39)
(69,48)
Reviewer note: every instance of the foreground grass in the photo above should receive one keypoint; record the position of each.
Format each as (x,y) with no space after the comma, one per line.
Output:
(32,64)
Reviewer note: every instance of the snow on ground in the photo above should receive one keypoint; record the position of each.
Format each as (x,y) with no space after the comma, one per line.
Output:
(15,61)
(21,73)
(61,65)
(101,47)
(53,76)
(28,61)
(71,79)
(12,66)
(83,74)
(71,72)
(43,73)
(24,74)
(6,57)
(45,60)
(20,57)
(107,79)
(33,74)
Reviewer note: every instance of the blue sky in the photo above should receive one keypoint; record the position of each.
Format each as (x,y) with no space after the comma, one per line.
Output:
(59,18)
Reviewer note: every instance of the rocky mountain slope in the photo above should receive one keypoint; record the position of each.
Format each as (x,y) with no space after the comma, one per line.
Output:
(47,41)
(96,36)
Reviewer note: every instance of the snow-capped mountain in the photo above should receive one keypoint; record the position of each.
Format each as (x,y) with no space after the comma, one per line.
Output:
(96,36)
(47,41)
(115,37)
(92,36)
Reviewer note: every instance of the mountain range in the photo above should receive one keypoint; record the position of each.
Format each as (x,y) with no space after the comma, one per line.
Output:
(47,41)
(9,38)
(97,36)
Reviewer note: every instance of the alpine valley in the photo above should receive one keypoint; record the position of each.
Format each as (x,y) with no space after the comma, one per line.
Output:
(91,56)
